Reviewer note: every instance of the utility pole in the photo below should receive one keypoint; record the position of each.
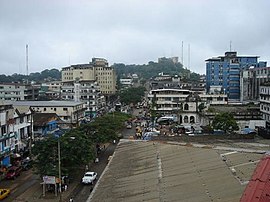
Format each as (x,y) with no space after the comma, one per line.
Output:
(183,54)
(27,59)
(59,171)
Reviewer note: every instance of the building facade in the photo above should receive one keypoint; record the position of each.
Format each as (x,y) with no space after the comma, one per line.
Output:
(17,91)
(126,82)
(87,92)
(184,103)
(51,89)
(7,139)
(265,103)
(224,71)
(16,131)
(250,82)
(97,70)
(68,111)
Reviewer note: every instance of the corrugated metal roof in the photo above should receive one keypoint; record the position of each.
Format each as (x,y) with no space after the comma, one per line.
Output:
(152,171)
(258,189)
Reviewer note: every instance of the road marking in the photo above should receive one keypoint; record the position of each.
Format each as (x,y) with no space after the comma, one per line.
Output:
(228,153)
(243,164)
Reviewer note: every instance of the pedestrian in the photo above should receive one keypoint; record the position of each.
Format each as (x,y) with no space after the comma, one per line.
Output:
(71,199)
(86,167)
(66,187)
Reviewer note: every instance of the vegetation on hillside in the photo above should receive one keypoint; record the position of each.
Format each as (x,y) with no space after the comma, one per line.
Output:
(145,71)
(45,75)
(132,95)
(152,69)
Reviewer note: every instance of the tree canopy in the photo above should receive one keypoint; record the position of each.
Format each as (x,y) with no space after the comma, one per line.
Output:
(225,121)
(152,69)
(77,146)
(132,95)
(45,75)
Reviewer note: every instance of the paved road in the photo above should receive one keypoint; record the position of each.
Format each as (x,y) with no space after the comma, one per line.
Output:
(18,186)
(82,192)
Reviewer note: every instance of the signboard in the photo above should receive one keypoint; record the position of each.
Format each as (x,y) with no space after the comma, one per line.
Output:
(49,179)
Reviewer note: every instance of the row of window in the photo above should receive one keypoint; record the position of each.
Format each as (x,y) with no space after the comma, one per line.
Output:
(265,90)
(263,97)
(11,92)
(265,107)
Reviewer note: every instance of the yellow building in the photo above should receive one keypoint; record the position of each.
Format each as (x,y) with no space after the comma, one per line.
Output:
(97,70)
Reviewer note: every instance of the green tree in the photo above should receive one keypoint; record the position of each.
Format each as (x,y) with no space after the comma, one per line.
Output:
(77,146)
(225,121)
(132,95)
(76,150)
(201,107)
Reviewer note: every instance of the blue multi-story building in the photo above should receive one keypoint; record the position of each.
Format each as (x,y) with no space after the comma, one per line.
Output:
(223,73)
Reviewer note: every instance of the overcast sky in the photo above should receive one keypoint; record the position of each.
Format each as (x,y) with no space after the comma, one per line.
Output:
(64,32)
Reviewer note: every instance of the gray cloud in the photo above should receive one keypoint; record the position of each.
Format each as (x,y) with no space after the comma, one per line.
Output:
(66,32)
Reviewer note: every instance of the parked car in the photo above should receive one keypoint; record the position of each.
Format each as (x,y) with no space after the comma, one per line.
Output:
(89,178)
(153,130)
(129,126)
(4,193)
(13,172)
(26,164)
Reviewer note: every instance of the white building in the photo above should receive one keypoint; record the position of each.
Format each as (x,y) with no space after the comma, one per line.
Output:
(87,92)
(16,131)
(68,111)
(265,103)
(17,91)
(52,89)
(126,81)
(183,102)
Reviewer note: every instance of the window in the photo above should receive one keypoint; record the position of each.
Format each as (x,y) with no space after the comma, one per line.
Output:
(3,130)
(45,109)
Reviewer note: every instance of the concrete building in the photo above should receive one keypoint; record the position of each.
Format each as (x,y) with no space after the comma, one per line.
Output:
(87,92)
(97,70)
(183,102)
(7,138)
(224,71)
(17,91)
(246,116)
(265,103)
(22,127)
(172,59)
(67,111)
(16,131)
(126,82)
(51,89)
(250,81)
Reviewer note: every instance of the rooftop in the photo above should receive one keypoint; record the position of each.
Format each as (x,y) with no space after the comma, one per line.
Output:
(152,171)
(52,103)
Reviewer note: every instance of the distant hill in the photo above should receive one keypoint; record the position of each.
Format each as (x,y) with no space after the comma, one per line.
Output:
(145,71)
(152,69)
(45,75)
